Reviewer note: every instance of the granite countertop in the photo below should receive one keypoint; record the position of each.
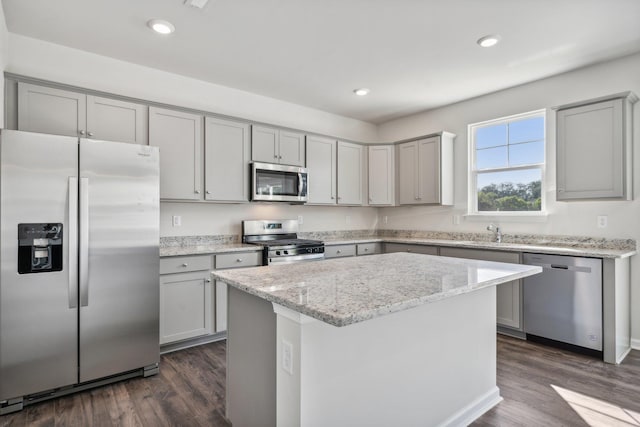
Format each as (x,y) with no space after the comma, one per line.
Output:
(547,244)
(204,249)
(344,291)
(507,246)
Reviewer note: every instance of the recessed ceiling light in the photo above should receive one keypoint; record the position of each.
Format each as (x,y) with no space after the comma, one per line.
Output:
(161,26)
(488,41)
(362,91)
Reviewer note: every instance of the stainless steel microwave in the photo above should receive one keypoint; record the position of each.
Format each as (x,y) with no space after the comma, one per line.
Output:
(278,183)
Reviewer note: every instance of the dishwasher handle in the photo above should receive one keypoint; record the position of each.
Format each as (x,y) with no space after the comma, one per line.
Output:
(559,267)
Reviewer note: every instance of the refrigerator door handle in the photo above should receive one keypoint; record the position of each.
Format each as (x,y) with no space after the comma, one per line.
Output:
(84,242)
(72,236)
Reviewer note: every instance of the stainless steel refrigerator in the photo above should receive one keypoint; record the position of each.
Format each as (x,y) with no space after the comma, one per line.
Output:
(79,258)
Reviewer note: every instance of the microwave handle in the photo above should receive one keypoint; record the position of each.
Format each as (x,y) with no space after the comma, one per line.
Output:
(299,183)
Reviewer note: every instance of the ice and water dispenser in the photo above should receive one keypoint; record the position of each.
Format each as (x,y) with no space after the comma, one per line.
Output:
(39,248)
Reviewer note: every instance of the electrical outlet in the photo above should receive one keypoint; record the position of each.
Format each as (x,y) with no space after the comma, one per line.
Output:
(602,221)
(456,220)
(176,220)
(385,219)
(300,220)
(287,357)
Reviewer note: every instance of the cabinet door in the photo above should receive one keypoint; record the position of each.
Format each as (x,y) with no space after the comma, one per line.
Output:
(321,163)
(264,144)
(508,295)
(179,137)
(186,305)
(115,120)
(408,173)
(47,110)
(429,170)
(381,182)
(291,148)
(339,251)
(349,173)
(226,148)
(590,151)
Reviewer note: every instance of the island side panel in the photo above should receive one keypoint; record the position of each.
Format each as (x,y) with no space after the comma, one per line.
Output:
(251,360)
(616,309)
(430,365)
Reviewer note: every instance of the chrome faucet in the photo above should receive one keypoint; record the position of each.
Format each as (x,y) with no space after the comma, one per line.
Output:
(496,231)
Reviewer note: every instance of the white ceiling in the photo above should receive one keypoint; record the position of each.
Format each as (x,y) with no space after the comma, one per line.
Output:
(414,55)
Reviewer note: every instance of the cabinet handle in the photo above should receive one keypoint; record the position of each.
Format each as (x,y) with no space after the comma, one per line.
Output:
(90,134)
(560,190)
(184,264)
(197,191)
(332,198)
(208,280)
(279,157)
(370,199)
(81,132)
(338,251)
(239,260)
(275,156)
(366,249)
(208,192)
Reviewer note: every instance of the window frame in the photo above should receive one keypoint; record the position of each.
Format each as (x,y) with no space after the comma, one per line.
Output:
(472,187)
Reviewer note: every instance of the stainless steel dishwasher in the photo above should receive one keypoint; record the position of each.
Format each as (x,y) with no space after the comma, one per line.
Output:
(563,304)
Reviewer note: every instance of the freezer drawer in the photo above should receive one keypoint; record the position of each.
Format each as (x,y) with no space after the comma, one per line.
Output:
(564,302)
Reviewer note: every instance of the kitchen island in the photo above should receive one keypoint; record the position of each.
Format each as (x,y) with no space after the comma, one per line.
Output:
(393,339)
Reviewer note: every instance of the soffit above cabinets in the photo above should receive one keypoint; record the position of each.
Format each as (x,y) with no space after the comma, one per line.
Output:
(413,55)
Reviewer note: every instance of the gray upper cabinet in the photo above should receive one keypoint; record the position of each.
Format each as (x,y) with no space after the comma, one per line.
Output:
(594,142)
(381,175)
(322,166)
(425,170)
(271,145)
(61,112)
(350,173)
(227,155)
(115,120)
(179,136)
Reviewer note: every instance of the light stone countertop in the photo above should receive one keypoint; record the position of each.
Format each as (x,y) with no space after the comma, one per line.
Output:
(344,291)
(511,247)
(206,249)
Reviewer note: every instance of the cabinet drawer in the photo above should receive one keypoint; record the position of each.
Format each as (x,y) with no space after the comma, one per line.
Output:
(416,249)
(369,248)
(237,260)
(339,251)
(183,264)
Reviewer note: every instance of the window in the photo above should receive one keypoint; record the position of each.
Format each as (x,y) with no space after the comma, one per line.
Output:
(506,165)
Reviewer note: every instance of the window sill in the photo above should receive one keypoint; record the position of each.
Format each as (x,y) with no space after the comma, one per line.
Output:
(507,217)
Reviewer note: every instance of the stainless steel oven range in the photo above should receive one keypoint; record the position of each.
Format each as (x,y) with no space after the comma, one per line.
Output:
(279,239)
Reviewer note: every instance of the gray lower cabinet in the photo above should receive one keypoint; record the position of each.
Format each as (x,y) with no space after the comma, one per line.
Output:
(509,295)
(62,112)
(186,298)
(339,251)
(226,261)
(407,247)
(368,248)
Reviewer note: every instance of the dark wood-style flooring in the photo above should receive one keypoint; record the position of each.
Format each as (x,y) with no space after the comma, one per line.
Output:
(541,386)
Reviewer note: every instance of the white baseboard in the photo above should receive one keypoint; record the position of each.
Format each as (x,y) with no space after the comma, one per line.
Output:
(474,410)
(635,344)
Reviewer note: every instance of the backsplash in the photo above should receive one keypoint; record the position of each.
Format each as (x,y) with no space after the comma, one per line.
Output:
(530,239)
(181,241)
